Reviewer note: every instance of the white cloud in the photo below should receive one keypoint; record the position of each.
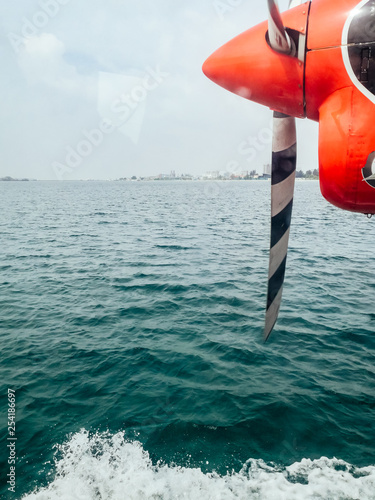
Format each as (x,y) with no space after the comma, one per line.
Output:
(45,46)
(42,62)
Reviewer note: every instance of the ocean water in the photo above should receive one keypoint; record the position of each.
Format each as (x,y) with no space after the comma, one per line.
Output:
(131,332)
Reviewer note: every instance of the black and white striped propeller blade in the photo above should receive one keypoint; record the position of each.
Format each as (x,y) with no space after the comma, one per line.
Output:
(277,35)
(284,159)
(283,175)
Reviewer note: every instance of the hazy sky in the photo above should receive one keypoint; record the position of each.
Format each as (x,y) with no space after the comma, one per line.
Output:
(94,89)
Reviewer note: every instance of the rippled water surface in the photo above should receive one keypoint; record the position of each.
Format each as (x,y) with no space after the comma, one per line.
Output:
(131,331)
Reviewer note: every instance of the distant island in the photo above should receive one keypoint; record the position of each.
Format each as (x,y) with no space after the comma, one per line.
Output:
(208,176)
(310,174)
(7,178)
(221,176)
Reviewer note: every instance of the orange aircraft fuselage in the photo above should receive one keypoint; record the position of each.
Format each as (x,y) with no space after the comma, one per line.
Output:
(330,79)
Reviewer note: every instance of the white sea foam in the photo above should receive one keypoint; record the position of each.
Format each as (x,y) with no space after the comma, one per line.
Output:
(108,467)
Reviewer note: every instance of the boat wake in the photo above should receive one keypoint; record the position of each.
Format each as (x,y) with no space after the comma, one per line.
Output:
(109,467)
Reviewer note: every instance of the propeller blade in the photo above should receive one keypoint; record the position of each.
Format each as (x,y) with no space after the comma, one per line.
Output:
(284,156)
(278,37)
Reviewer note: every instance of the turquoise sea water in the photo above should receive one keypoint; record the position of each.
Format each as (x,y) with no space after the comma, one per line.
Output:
(131,333)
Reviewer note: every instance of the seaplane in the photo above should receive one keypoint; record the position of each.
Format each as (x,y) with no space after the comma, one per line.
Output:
(317,61)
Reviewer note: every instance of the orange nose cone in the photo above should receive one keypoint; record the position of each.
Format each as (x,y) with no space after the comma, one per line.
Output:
(248,67)
(228,66)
